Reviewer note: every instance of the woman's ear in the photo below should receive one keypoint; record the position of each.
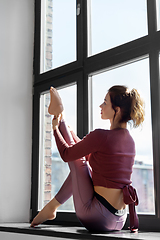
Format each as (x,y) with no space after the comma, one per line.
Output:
(118,110)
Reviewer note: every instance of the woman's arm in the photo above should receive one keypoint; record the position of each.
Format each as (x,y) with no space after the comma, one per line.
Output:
(89,144)
(76,140)
(75,137)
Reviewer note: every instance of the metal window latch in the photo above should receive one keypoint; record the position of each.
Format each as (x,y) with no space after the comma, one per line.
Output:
(78,9)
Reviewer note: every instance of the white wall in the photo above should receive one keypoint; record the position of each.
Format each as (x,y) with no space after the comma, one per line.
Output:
(16,67)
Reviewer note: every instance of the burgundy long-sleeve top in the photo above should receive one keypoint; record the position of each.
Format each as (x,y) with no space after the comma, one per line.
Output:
(110,154)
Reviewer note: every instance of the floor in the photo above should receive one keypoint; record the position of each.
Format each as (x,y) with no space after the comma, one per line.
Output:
(64,232)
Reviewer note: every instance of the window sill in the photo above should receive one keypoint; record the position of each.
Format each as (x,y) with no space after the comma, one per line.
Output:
(68,232)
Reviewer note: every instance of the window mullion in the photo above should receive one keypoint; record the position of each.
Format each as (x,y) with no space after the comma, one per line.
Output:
(35,154)
(152,21)
(80,106)
(82,88)
(36,62)
(83,30)
(155,106)
(79,13)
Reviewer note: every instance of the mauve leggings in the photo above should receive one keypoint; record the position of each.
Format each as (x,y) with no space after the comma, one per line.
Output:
(91,213)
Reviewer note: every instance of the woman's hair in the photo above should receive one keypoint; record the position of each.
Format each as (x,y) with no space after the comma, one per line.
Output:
(130,103)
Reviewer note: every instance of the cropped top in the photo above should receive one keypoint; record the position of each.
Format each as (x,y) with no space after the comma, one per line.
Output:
(111,156)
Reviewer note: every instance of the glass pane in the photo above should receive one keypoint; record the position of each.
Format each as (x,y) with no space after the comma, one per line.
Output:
(115,22)
(158,14)
(52,170)
(134,75)
(58,33)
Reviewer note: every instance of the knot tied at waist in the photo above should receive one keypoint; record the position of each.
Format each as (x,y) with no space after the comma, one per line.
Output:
(130,198)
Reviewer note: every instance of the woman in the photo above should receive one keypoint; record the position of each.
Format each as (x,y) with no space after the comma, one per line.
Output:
(101,192)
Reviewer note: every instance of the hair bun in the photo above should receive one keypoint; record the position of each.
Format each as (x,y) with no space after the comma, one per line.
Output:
(137,108)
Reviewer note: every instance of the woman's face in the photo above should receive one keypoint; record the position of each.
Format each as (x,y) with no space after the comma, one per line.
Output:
(107,112)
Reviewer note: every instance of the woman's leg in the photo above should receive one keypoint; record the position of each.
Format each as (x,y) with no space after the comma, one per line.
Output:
(84,174)
(82,185)
(65,191)
(49,211)
(67,188)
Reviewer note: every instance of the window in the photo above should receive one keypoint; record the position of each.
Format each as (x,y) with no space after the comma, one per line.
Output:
(110,19)
(98,44)
(58,33)
(133,75)
(49,158)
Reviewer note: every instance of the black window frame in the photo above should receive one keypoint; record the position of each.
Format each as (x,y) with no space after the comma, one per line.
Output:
(79,71)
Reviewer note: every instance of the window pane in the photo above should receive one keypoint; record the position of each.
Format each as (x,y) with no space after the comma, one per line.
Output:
(115,22)
(52,170)
(158,14)
(134,75)
(58,33)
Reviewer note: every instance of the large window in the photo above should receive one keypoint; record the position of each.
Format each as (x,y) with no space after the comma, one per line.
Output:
(133,75)
(82,48)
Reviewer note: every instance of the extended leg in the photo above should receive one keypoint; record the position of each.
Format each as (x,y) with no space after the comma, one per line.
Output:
(65,191)
(82,186)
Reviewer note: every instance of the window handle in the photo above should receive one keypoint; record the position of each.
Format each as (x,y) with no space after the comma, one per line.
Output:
(78,9)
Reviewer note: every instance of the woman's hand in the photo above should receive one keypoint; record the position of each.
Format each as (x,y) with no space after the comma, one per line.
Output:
(55,121)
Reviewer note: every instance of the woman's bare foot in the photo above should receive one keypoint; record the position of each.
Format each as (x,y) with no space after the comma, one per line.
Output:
(43,216)
(47,213)
(55,106)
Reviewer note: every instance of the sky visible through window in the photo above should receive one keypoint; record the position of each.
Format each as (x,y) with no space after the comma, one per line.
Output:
(116,22)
